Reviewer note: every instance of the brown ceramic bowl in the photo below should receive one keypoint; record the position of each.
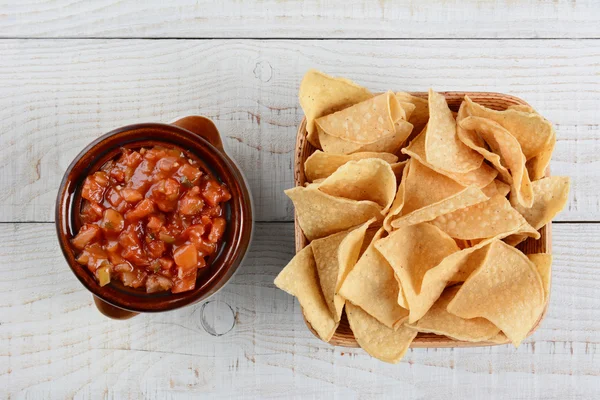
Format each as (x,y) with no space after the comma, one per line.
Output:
(197,135)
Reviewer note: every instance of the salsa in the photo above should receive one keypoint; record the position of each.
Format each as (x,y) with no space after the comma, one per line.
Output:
(150,219)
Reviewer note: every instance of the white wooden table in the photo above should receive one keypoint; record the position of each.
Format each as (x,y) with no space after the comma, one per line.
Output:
(71,70)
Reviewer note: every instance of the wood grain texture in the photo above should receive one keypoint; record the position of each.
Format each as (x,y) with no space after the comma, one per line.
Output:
(54,344)
(58,95)
(301,19)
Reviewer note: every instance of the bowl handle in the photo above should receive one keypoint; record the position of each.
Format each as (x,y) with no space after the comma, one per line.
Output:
(111,311)
(202,127)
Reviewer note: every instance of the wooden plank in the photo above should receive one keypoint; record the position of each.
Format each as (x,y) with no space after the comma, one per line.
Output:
(58,95)
(53,344)
(301,19)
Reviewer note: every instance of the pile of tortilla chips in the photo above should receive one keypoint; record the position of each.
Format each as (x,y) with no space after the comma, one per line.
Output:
(425,244)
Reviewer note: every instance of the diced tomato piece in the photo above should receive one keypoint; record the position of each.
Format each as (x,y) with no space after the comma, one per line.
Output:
(191,173)
(204,247)
(156,248)
(166,263)
(131,243)
(91,212)
(96,256)
(131,195)
(134,279)
(94,187)
(114,199)
(155,153)
(141,210)
(113,221)
(112,246)
(123,267)
(215,211)
(115,257)
(186,283)
(191,203)
(131,158)
(186,258)
(195,231)
(155,222)
(158,283)
(165,194)
(216,232)
(87,234)
(168,164)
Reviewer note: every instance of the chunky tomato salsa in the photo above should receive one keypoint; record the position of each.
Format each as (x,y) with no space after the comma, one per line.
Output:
(150,219)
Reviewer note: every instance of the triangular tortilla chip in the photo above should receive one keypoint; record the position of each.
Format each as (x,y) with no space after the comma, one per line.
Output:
(443,149)
(320,214)
(369,179)
(507,146)
(543,263)
(320,165)
(481,176)
(321,94)
(380,341)
(365,122)
(483,220)
(550,197)
(413,252)
(439,321)
(420,114)
(335,256)
(506,290)
(398,203)
(372,286)
(299,278)
(531,130)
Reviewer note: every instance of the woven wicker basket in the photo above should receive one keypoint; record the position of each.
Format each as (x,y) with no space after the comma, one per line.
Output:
(343,336)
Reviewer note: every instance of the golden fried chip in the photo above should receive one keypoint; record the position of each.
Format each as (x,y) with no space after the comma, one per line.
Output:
(550,197)
(320,214)
(372,286)
(532,131)
(500,338)
(420,114)
(398,203)
(506,290)
(481,176)
(321,94)
(507,146)
(483,220)
(365,122)
(380,341)
(388,144)
(398,168)
(443,149)
(369,179)
(465,198)
(335,255)
(320,165)
(414,252)
(522,108)
(439,321)
(543,263)
(299,278)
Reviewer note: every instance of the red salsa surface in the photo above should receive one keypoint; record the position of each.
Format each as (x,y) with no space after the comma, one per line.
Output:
(150,219)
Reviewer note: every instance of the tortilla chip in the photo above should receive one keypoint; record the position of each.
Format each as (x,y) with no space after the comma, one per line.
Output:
(389,144)
(398,203)
(365,122)
(320,165)
(538,165)
(543,263)
(483,220)
(503,188)
(522,108)
(320,214)
(372,286)
(481,176)
(380,341)
(443,149)
(369,179)
(402,302)
(420,114)
(413,252)
(398,168)
(506,290)
(496,187)
(531,130)
(335,255)
(467,197)
(439,321)
(550,197)
(472,140)
(299,278)
(500,338)
(321,94)
(507,146)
